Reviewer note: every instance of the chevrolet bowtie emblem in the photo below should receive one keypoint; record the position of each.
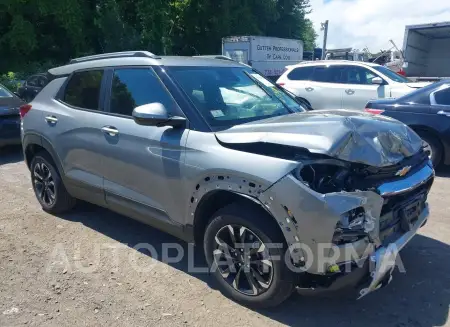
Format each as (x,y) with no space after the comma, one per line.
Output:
(402,172)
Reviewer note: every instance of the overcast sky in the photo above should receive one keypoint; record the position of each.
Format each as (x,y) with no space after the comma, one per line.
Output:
(371,23)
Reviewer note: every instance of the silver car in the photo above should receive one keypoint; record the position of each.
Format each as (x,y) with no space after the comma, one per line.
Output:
(213,153)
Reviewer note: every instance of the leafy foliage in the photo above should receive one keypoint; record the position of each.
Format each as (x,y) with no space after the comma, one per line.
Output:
(52,32)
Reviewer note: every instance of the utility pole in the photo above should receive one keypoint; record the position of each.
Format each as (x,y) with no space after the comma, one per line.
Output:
(324,28)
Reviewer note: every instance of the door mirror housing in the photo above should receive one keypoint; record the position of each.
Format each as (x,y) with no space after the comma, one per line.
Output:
(377,81)
(155,114)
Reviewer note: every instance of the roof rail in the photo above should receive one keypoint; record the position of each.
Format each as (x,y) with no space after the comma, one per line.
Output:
(115,55)
(214,57)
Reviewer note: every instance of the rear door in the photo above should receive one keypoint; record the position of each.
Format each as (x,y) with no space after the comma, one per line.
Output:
(319,85)
(326,88)
(142,167)
(73,123)
(359,88)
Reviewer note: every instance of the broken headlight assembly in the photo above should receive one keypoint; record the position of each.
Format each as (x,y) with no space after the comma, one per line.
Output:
(328,176)
(325,176)
(353,226)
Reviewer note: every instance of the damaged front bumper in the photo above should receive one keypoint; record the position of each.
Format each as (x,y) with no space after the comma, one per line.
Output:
(395,211)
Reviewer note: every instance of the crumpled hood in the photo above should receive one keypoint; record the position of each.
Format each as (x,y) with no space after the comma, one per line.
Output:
(352,136)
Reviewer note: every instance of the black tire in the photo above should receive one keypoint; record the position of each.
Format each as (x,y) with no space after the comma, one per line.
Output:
(260,224)
(435,146)
(62,200)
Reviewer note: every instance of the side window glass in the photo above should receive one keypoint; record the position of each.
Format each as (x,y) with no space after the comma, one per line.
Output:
(359,75)
(321,74)
(83,89)
(301,74)
(32,81)
(135,87)
(42,81)
(442,97)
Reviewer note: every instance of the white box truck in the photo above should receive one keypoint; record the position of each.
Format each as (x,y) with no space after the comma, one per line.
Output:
(426,51)
(269,55)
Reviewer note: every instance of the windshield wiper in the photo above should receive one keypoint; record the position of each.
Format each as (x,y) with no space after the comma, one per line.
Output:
(261,85)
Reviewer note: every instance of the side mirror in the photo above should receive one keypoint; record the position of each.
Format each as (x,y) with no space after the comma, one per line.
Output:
(155,114)
(377,81)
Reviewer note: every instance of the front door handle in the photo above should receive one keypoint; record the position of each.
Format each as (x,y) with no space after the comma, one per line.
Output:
(309,88)
(51,119)
(110,130)
(350,91)
(444,113)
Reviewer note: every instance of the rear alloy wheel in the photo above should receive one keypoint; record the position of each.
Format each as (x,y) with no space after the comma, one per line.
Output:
(48,186)
(245,248)
(44,184)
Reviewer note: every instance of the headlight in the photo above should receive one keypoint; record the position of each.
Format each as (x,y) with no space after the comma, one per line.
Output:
(352,226)
(324,176)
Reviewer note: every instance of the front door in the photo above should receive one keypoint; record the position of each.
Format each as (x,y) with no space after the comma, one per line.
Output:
(359,88)
(142,167)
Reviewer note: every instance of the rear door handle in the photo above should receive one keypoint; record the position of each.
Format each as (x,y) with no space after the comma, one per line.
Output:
(309,89)
(110,130)
(444,113)
(350,91)
(51,119)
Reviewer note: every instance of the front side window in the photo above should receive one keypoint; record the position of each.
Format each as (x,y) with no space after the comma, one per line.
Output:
(358,75)
(442,97)
(83,89)
(390,74)
(227,96)
(135,87)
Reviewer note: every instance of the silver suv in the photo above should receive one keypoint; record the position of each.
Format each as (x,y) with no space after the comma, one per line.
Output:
(212,152)
(341,84)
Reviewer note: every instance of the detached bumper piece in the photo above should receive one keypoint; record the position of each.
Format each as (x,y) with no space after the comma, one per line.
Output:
(383,260)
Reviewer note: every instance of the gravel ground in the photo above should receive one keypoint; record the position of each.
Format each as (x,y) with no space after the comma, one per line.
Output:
(82,269)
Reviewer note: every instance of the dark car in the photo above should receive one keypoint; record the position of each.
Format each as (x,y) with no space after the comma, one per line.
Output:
(9,117)
(427,112)
(32,86)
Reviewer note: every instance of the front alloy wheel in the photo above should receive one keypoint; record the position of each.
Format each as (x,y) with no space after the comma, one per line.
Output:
(245,248)
(243,260)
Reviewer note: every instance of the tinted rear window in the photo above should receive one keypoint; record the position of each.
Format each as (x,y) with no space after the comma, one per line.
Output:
(83,89)
(4,93)
(301,74)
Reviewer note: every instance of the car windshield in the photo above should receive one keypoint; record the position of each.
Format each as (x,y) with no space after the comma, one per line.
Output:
(4,93)
(227,96)
(392,75)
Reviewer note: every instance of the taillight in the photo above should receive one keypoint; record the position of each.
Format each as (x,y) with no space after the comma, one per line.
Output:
(401,72)
(24,110)
(374,111)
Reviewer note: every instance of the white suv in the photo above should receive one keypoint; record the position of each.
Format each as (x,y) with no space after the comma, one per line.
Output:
(343,84)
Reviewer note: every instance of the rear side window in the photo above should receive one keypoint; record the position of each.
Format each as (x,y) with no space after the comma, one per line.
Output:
(83,89)
(135,87)
(301,74)
(443,97)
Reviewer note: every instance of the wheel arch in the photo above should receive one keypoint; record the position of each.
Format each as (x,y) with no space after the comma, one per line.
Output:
(432,132)
(33,143)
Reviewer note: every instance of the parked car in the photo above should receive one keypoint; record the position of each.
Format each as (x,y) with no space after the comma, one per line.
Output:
(333,84)
(154,138)
(9,117)
(32,86)
(427,111)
